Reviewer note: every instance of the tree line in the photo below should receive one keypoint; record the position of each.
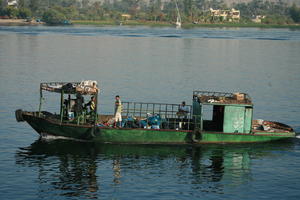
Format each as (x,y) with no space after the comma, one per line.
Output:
(192,11)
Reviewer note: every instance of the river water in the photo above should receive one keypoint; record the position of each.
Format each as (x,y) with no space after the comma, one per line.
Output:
(149,65)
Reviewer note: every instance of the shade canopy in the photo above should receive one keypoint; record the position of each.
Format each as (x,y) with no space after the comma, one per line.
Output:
(83,87)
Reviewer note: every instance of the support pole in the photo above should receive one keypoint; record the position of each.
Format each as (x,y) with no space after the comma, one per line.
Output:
(96,108)
(61,106)
(41,99)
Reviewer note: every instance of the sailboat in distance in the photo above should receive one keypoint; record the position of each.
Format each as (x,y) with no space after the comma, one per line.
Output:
(178,20)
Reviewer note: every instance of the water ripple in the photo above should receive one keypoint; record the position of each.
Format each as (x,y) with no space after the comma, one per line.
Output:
(125,31)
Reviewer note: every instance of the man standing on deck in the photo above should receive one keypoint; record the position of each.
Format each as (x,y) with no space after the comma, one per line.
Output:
(182,113)
(78,104)
(118,111)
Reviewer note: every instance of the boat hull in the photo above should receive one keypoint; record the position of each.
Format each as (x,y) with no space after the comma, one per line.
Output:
(50,127)
(144,136)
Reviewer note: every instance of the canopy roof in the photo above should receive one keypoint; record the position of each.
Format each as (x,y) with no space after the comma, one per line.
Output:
(83,87)
(208,97)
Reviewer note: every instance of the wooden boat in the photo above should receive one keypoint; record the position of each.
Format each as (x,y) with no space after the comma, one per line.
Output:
(229,120)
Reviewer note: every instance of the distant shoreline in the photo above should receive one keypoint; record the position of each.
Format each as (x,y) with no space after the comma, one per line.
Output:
(23,22)
(184,25)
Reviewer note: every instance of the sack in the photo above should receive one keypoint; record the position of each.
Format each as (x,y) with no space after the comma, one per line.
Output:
(88,83)
(87,87)
(68,87)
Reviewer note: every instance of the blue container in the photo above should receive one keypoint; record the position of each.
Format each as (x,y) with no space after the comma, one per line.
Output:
(154,120)
(70,115)
(155,126)
(143,123)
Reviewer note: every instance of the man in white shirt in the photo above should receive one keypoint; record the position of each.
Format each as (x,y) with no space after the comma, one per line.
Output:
(118,111)
(182,113)
(183,110)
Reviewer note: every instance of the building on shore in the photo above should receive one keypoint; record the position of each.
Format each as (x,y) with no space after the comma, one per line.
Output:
(125,16)
(11,3)
(258,18)
(226,15)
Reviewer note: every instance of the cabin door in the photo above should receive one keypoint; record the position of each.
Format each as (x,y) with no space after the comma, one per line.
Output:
(234,117)
(218,117)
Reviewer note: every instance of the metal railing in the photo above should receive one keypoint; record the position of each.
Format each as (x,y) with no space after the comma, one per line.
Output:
(169,115)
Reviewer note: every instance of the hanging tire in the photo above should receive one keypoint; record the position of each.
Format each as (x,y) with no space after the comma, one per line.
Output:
(19,115)
(196,136)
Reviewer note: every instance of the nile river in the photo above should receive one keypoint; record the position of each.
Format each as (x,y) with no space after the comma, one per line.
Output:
(143,64)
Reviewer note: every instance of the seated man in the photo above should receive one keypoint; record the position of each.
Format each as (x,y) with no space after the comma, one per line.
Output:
(183,110)
(91,104)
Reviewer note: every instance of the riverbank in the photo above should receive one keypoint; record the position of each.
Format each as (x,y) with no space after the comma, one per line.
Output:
(184,25)
(18,22)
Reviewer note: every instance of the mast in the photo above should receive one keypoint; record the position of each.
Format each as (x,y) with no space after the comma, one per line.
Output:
(178,20)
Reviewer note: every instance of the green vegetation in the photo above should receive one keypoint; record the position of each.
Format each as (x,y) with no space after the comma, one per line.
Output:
(295,13)
(53,17)
(154,13)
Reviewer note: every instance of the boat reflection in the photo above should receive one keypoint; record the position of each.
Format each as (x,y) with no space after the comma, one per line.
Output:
(79,169)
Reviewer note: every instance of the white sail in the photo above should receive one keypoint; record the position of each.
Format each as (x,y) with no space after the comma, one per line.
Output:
(178,21)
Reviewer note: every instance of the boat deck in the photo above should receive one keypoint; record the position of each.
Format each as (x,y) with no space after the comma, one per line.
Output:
(169,123)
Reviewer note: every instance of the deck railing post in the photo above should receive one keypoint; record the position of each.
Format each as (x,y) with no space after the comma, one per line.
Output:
(127,109)
(141,107)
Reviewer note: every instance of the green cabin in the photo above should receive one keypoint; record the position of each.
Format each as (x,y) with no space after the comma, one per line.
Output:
(229,112)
